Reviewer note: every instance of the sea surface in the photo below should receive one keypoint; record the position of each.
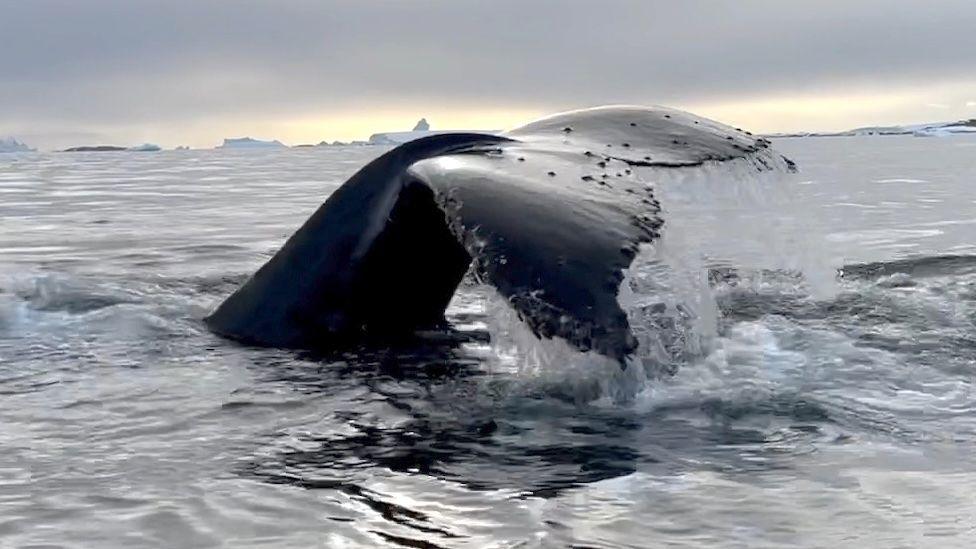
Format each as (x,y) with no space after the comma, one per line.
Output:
(807,376)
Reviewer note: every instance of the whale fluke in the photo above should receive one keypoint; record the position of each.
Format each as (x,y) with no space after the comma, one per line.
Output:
(550,214)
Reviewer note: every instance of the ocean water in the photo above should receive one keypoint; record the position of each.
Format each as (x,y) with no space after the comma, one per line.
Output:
(806,377)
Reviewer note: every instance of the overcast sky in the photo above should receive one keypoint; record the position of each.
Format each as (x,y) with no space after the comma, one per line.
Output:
(194,71)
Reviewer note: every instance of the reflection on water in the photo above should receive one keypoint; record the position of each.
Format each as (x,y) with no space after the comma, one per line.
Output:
(810,412)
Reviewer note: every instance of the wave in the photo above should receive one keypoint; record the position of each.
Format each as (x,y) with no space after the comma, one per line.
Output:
(916,267)
(53,293)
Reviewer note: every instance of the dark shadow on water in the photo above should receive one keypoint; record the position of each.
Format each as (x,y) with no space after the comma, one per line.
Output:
(431,411)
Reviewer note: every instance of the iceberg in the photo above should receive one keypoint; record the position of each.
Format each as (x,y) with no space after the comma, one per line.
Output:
(146,147)
(11,145)
(250,143)
(421,129)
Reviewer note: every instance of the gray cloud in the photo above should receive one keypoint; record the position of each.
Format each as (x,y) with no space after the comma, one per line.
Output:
(68,64)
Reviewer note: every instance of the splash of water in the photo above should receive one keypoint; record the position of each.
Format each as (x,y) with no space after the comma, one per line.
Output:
(724,216)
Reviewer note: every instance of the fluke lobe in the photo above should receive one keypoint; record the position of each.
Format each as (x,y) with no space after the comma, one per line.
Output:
(550,214)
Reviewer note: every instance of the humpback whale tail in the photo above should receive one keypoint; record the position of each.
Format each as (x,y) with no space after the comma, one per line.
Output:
(550,214)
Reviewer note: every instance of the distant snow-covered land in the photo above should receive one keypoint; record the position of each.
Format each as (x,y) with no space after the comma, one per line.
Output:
(11,145)
(932,129)
(145,147)
(250,143)
(949,129)
(96,148)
